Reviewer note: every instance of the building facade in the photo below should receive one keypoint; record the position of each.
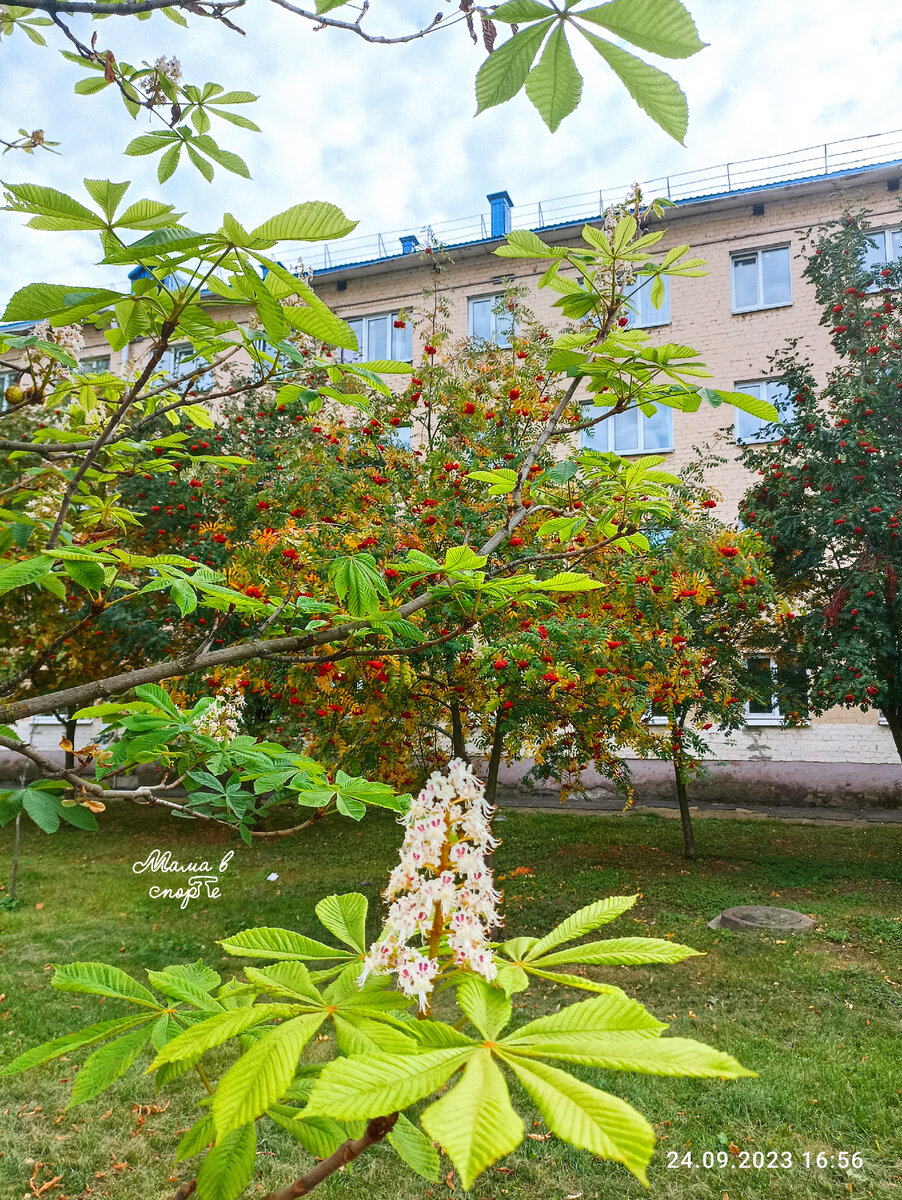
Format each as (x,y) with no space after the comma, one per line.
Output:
(752,300)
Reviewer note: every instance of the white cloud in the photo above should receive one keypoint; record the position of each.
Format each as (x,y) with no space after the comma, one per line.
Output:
(389,133)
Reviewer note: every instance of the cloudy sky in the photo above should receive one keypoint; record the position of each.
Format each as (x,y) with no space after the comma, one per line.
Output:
(388,133)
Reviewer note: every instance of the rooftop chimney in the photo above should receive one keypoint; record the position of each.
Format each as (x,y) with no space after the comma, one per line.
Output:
(500,205)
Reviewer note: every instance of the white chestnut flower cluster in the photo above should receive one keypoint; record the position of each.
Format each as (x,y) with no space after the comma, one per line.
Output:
(441,888)
(220,720)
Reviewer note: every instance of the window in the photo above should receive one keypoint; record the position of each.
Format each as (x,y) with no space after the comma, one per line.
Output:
(640,310)
(484,323)
(760,279)
(7,379)
(753,429)
(98,365)
(772,679)
(383,336)
(884,246)
(632,432)
(179,360)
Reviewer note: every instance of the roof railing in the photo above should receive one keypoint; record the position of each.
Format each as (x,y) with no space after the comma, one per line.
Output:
(809,162)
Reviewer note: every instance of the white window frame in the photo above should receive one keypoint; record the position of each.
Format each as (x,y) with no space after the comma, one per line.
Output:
(757,252)
(50,719)
(88,365)
(762,385)
(493,298)
(363,353)
(653,317)
(180,358)
(604,433)
(892,255)
(774,717)
(7,378)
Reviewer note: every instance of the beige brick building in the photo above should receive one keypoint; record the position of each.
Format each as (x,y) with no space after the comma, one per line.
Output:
(749,226)
(752,300)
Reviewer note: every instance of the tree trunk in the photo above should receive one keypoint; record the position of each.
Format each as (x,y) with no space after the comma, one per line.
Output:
(679,772)
(12,886)
(894,721)
(458,745)
(71,730)
(491,779)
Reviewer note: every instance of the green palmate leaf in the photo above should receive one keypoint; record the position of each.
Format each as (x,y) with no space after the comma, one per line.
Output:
(106,1065)
(320,1136)
(661,26)
(53,300)
(511,978)
(21,574)
(622,951)
(72,1041)
(523,243)
(195,1041)
(43,808)
(376,1086)
(310,222)
(387,366)
(184,596)
(645,1055)
(345,917)
(566,581)
(414,1148)
(504,71)
(79,817)
(654,91)
(198,1137)
(554,85)
(516,12)
(487,1007)
(285,979)
(227,1169)
(152,693)
(750,404)
(100,979)
(88,574)
(164,1029)
(107,194)
(463,558)
(260,1077)
(577,981)
(358,584)
(601,1015)
(55,210)
(475,1122)
(583,921)
(587,1118)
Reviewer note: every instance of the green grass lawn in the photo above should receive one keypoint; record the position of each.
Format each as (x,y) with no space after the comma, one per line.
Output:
(818,1017)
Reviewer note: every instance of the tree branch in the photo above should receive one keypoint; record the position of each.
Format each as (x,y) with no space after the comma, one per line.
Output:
(376,1130)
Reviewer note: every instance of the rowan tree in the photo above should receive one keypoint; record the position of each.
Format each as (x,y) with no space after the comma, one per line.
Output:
(826,499)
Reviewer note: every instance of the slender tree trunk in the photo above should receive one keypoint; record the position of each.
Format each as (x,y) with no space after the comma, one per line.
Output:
(894,721)
(458,743)
(679,772)
(491,779)
(71,730)
(12,886)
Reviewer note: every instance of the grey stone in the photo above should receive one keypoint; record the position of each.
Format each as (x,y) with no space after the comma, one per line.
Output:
(761,917)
